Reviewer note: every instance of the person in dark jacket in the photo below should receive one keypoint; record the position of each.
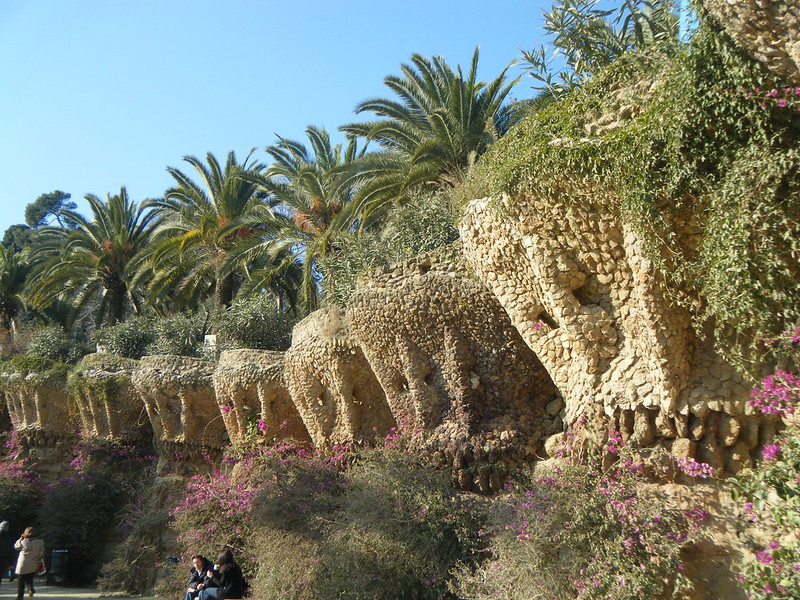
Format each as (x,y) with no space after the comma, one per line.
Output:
(6,549)
(198,576)
(228,579)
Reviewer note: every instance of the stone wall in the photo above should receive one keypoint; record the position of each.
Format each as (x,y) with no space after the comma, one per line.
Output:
(178,395)
(253,396)
(769,30)
(107,402)
(456,373)
(577,285)
(336,393)
(43,418)
(424,348)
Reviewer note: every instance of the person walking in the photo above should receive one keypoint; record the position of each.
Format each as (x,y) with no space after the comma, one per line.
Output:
(6,549)
(31,552)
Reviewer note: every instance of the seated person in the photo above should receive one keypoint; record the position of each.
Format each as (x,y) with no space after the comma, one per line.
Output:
(198,576)
(227,578)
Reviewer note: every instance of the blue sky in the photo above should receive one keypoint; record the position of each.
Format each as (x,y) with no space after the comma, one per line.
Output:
(97,94)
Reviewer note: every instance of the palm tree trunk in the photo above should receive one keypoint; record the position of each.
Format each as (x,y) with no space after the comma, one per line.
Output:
(223,291)
(8,310)
(115,292)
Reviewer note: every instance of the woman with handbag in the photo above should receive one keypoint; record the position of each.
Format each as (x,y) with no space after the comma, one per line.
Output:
(31,553)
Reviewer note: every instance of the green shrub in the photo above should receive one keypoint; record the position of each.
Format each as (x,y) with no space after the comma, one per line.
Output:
(79,513)
(54,343)
(579,532)
(20,494)
(357,254)
(384,528)
(129,338)
(132,568)
(421,226)
(78,516)
(771,491)
(372,525)
(180,334)
(253,322)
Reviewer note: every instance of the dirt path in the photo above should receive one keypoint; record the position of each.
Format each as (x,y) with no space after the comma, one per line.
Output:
(8,591)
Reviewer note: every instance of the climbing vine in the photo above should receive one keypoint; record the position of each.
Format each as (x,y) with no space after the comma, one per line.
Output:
(705,142)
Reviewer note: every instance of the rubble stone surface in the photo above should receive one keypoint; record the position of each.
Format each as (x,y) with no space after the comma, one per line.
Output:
(178,394)
(107,402)
(455,371)
(578,286)
(330,382)
(253,397)
(769,30)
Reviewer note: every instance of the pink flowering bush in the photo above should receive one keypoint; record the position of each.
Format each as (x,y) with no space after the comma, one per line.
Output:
(80,512)
(216,509)
(367,522)
(384,526)
(781,98)
(579,531)
(771,491)
(213,514)
(777,394)
(692,468)
(20,491)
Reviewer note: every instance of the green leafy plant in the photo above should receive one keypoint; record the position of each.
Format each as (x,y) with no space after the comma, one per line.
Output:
(254,322)
(132,568)
(371,524)
(588,38)
(129,338)
(771,491)
(578,530)
(180,334)
(89,263)
(423,225)
(52,342)
(79,513)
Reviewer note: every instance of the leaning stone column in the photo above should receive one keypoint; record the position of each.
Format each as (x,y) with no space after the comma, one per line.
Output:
(454,369)
(575,279)
(250,386)
(178,394)
(331,383)
(108,404)
(46,422)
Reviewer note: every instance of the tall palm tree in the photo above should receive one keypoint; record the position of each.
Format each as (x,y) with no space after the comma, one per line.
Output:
(14,269)
(441,123)
(89,261)
(203,223)
(312,205)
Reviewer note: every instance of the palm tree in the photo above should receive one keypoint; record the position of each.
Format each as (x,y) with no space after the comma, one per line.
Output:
(203,223)
(312,206)
(442,122)
(14,269)
(89,262)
